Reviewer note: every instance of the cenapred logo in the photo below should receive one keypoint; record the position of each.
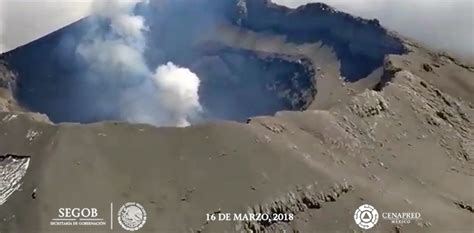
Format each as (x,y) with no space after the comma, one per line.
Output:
(366,216)
(132,216)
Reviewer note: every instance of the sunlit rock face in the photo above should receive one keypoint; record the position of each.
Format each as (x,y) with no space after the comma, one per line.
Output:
(12,170)
(235,83)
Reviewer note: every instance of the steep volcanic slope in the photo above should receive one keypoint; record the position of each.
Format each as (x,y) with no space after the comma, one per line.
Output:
(405,147)
(360,44)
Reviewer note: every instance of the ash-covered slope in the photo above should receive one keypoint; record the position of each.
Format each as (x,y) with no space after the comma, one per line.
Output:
(400,139)
(405,148)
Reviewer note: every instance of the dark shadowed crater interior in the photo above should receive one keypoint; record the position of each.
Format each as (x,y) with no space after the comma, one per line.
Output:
(235,83)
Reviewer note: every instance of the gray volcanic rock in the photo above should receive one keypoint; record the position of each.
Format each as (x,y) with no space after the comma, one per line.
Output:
(7,82)
(352,38)
(400,139)
(7,78)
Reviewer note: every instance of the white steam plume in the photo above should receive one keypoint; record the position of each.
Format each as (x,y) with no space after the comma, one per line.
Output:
(178,92)
(166,97)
